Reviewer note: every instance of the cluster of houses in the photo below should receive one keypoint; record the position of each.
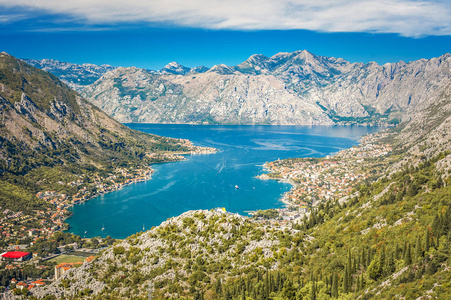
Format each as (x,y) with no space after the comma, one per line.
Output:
(30,285)
(318,180)
(14,258)
(13,224)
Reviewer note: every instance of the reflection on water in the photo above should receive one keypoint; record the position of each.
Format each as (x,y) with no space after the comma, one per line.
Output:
(208,181)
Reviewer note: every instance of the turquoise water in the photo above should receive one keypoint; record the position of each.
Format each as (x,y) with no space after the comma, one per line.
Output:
(208,181)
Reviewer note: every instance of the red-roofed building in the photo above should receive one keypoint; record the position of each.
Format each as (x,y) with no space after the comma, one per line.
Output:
(16,255)
(38,282)
(64,267)
(21,285)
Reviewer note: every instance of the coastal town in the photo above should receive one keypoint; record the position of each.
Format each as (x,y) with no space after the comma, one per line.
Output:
(18,226)
(317,180)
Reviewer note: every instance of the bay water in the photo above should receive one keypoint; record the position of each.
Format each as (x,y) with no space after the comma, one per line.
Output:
(224,179)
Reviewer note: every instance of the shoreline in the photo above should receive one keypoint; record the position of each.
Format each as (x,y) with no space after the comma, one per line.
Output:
(265,176)
(367,146)
(173,157)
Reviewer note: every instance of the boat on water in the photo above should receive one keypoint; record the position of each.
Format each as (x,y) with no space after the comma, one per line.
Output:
(236,187)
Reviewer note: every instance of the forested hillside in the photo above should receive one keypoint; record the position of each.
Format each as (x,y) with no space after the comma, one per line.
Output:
(390,241)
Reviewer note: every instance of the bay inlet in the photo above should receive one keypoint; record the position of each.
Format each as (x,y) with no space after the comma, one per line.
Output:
(208,181)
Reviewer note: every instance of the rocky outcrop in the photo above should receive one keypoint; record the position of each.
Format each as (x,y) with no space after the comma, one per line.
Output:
(209,238)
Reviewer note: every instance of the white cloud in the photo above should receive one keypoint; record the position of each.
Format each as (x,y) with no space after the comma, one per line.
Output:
(406,17)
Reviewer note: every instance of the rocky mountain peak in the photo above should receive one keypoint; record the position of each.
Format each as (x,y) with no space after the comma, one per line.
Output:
(255,64)
(175,68)
(222,69)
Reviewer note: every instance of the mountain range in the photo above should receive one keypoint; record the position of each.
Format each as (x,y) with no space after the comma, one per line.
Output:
(288,88)
(74,75)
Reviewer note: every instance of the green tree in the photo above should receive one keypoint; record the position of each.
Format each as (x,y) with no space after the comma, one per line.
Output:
(346,281)
(407,256)
(313,291)
(334,285)
(289,291)
(374,269)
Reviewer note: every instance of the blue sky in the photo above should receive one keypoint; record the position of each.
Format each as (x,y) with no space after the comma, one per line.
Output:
(151,34)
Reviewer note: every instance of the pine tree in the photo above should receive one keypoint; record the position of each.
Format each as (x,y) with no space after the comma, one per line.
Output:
(272,287)
(356,264)
(267,284)
(389,267)
(357,284)
(335,285)
(362,257)
(436,226)
(349,262)
(404,250)
(346,281)
(407,256)
(447,221)
(313,291)
(427,244)
(417,249)
(243,294)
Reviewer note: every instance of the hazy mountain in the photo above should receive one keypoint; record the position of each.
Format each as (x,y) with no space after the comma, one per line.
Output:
(74,75)
(287,88)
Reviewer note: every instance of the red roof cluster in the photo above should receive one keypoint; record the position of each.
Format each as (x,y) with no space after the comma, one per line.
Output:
(15,254)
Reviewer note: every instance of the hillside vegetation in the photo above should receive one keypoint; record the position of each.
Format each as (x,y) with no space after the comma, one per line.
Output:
(391,241)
